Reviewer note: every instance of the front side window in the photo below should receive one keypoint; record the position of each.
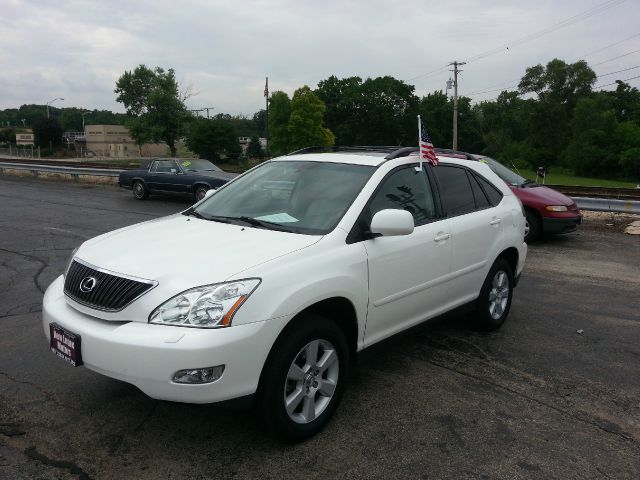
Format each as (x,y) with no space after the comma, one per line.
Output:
(405,189)
(455,190)
(297,196)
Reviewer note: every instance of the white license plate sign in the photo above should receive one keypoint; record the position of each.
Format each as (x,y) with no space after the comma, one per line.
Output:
(65,344)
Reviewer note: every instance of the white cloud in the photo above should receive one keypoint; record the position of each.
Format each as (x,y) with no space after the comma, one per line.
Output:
(77,49)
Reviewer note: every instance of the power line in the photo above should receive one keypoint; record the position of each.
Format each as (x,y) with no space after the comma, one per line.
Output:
(615,58)
(564,23)
(533,36)
(609,46)
(428,73)
(625,70)
(613,83)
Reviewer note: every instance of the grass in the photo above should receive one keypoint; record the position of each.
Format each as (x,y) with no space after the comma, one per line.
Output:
(559,178)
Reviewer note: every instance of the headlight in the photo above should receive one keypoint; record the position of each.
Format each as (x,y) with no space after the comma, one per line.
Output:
(210,306)
(556,208)
(73,254)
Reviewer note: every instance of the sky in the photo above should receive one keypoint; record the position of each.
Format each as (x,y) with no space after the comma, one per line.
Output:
(223,50)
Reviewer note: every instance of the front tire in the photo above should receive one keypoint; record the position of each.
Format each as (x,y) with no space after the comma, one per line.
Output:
(303,379)
(494,302)
(200,192)
(140,191)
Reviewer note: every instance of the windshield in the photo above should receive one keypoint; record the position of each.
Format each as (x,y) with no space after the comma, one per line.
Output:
(503,172)
(295,196)
(198,166)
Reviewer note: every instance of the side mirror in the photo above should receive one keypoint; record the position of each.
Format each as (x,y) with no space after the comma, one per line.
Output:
(210,192)
(392,222)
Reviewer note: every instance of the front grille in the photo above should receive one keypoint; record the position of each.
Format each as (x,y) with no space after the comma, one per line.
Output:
(109,292)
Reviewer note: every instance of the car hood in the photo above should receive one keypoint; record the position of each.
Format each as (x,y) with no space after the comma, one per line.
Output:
(183,252)
(542,195)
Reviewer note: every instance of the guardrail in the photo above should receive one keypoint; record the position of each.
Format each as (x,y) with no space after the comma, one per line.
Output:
(75,172)
(585,203)
(608,205)
(598,192)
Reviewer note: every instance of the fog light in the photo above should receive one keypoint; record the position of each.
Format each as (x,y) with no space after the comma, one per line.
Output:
(198,375)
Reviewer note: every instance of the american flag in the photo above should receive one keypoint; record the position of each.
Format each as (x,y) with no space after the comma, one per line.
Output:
(266,87)
(426,147)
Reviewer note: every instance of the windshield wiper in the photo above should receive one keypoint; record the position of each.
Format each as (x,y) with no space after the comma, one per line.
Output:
(528,182)
(192,213)
(254,222)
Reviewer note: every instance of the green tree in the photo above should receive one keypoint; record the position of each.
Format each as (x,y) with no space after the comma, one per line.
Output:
(306,121)
(260,123)
(593,130)
(8,136)
(153,104)
(213,139)
(254,149)
(341,98)
(378,111)
(279,113)
(47,132)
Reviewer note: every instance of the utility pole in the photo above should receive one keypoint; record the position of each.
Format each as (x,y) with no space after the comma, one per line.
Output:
(207,109)
(455,101)
(266,97)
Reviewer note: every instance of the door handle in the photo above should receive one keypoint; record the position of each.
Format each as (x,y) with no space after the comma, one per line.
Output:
(441,237)
(495,221)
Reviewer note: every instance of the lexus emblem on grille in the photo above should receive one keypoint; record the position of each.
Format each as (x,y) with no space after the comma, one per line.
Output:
(87,284)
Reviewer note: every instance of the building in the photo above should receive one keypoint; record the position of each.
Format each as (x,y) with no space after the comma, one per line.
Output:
(25,138)
(114,141)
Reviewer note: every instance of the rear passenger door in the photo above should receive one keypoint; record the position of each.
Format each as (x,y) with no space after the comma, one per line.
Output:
(476,226)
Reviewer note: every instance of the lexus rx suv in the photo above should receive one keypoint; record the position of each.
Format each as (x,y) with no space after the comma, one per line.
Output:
(326,253)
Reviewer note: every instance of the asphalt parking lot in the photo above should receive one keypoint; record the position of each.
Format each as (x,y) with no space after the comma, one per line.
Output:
(536,399)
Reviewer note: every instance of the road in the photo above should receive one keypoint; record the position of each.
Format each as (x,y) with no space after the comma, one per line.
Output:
(533,400)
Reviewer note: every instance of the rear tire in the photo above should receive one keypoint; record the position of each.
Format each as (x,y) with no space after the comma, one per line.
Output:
(140,191)
(494,301)
(303,379)
(533,228)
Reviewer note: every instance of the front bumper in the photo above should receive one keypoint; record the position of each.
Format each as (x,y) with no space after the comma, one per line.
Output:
(560,225)
(148,355)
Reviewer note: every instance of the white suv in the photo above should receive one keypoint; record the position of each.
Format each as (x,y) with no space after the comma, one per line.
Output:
(270,287)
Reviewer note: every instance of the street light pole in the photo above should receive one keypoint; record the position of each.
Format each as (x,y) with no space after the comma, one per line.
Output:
(50,102)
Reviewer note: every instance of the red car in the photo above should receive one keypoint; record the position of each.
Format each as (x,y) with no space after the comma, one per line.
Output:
(547,210)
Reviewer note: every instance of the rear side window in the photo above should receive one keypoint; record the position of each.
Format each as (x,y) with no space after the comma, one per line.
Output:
(455,190)
(481,198)
(495,195)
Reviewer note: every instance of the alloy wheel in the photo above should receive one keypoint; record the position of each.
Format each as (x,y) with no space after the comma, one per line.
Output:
(499,294)
(311,381)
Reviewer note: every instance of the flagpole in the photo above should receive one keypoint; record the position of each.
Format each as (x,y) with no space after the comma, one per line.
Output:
(419,168)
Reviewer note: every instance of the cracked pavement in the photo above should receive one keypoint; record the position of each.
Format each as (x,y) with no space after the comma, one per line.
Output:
(533,400)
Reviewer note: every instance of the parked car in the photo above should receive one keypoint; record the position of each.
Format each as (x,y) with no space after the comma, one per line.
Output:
(547,211)
(271,286)
(174,176)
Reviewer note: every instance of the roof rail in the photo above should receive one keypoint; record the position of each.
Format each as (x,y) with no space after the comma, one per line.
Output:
(449,151)
(345,148)
(401,152)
